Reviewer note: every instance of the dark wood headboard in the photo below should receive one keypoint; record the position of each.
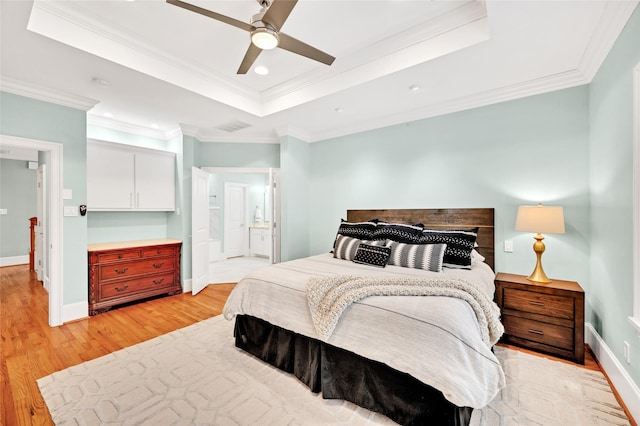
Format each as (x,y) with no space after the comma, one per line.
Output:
(443,219)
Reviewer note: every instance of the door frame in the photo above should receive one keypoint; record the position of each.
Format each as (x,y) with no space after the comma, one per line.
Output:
(275,207)
(199,251)
(55,229)
(41,227)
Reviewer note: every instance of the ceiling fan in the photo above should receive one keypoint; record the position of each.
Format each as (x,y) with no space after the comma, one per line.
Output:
(265,31)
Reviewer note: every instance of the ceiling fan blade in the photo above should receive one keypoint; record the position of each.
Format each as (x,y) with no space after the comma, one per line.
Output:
(249,58)
(208,13)
(278,12)
(296,46)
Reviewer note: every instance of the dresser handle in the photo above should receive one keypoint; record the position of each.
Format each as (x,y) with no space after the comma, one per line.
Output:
(536,303)
(158,281)
(121,271)
(120,256)
(122,288)
(536,332)
(158,265)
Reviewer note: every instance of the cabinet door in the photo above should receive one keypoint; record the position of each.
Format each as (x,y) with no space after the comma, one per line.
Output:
(155,181)
(110,178)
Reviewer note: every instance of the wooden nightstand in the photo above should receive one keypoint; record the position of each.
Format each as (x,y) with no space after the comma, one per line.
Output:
(544,317)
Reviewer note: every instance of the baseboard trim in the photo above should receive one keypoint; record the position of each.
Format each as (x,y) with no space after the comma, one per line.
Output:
(187,286)
(75,311)
(625,386)
(14,260)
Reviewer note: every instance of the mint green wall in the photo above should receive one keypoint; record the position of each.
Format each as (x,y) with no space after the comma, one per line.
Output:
(176,227)
(18,196)
(33,119)
(515,153)
(295,200)
(220,154)
(610,296)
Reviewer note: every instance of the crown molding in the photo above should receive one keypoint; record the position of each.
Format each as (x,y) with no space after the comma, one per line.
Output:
(300,134)
(46,94)
(122,126)
(552,83)
(615,16)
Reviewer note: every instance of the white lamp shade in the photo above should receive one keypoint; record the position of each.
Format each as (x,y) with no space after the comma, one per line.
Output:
(540,219)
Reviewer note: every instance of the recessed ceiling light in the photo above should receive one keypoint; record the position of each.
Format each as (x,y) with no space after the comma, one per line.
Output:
(414,87)
(261,70)
(339,109)
(108,115)
(101,82)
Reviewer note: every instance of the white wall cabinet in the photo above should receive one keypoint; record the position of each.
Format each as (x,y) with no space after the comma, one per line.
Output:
(126,178)
(259,241)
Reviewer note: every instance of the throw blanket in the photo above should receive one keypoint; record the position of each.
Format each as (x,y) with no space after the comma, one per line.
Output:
(329,297)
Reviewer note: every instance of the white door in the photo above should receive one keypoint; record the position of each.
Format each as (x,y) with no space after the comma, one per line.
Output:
(273,195)
(199,230)
(235,219)
(40,260)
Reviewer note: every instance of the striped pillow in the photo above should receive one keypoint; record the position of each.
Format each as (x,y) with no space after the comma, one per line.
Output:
(460,243)
(346,247)
(418,256)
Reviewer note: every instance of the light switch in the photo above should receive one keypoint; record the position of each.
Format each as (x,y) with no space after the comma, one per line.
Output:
(508,246)
(70,211)
(3,211)
(67,194)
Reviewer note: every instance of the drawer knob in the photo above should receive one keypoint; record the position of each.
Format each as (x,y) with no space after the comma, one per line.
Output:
(122,288)
(121,271)
(158,265)
(120,256)
(536,303)
(158,281)
(536,332)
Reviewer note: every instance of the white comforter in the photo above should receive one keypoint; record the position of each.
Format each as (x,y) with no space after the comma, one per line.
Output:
(434,339)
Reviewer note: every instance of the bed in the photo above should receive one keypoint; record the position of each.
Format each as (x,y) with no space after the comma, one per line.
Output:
(415,359)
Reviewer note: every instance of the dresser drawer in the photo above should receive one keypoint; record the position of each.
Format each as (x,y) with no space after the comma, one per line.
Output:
(130,269)
(133,286)
(538,303)
(537,331)
(111,257)
(162,251)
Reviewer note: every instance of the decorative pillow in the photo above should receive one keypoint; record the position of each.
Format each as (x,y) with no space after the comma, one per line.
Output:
(346,247)
(372,255)
(460,243)
(418,256)
(360,230)
(476,257)
(398,232)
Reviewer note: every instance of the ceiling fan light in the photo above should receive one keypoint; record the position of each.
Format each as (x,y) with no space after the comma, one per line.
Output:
(264,38)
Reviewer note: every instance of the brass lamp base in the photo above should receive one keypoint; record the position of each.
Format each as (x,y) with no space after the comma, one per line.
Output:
(538,274)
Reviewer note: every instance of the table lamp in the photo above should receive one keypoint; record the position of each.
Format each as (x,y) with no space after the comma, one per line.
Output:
(539,219)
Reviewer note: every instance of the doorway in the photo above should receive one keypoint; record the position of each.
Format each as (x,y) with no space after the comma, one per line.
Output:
(53,230)
(244,221)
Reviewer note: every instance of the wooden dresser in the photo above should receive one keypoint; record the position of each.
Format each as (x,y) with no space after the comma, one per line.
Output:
(132,270)
(544,317)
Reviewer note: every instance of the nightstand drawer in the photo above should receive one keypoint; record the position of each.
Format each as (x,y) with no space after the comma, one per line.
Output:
(538,303)
(541,332)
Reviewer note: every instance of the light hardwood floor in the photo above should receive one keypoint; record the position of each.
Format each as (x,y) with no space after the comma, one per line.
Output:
(30,349)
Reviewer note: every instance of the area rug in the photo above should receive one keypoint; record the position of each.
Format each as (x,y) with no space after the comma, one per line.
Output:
(195,375)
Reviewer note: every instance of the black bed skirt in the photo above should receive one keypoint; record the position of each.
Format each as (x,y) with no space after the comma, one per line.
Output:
(340,374)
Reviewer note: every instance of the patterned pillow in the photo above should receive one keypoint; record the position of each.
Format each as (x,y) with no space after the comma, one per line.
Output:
(360,230)
(460,243)
(418,256)
(372,255)
(398,232)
